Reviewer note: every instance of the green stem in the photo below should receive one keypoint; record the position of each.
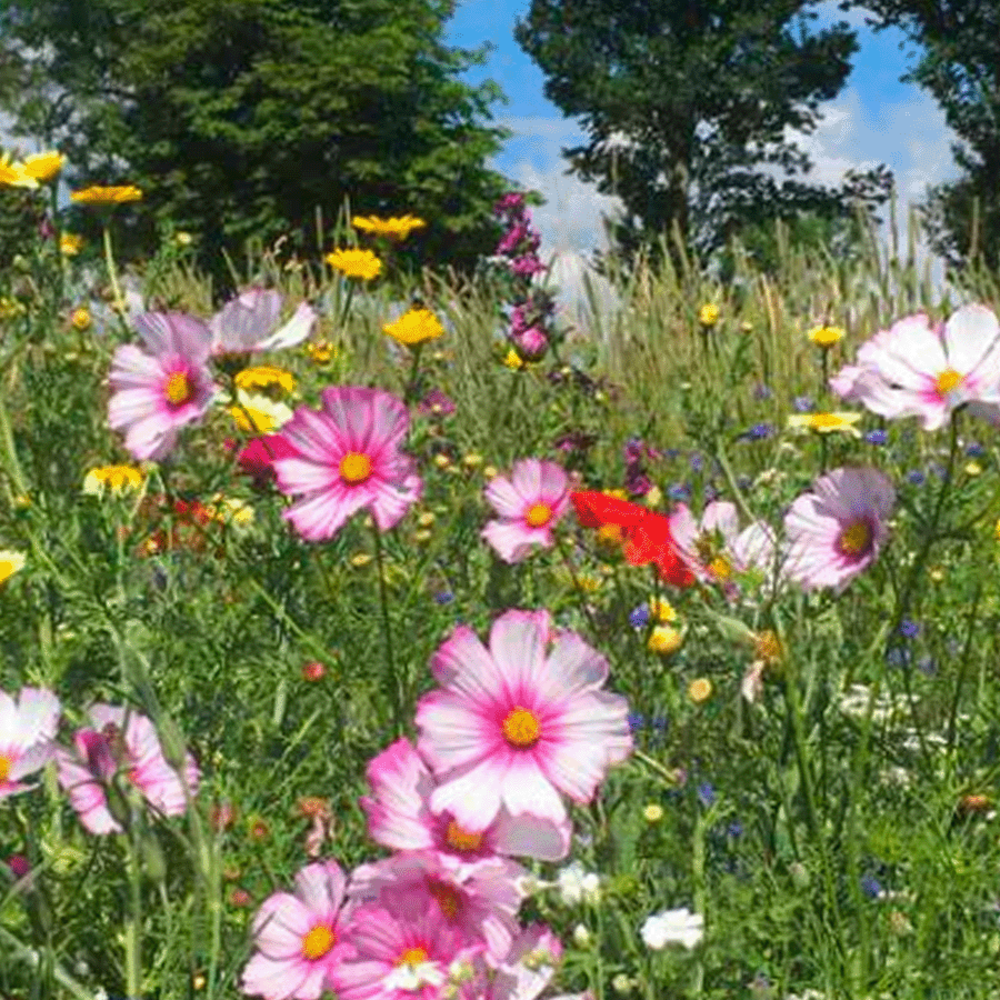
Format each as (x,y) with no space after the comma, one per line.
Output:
(109,260)
(133,918)
(568,563)
(395,682)
(410,392)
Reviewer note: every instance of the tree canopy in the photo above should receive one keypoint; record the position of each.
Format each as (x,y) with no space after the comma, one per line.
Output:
(959,65)
(688,107)
(239,117)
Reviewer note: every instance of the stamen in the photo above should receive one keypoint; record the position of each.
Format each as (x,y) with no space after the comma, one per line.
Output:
(355,467)
(521,728)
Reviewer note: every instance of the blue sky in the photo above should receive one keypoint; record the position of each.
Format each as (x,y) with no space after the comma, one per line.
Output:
(875,119)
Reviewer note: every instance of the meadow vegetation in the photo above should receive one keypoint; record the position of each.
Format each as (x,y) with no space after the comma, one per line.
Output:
(786,784)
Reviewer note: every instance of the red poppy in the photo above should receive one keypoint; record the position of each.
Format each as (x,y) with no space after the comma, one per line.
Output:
(647,535)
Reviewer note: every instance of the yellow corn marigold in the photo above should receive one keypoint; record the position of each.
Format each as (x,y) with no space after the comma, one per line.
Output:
(117,478)
(361,264)
(826,336)
(415,326)
(826,423)
(265,377)
(398,227)
(44,167)
(114,195)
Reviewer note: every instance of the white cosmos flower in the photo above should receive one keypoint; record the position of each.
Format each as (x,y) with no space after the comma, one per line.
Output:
(673,927)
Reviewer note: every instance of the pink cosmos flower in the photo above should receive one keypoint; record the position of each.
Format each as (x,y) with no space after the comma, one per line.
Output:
(400,818)
(518,723)
(258,457)
(27,729)
(245,324)
(481,898)
(916,369)
(715,548)
(529,503)
(836,532)
(155,394)
(348,458)
(122,743)
(300,938)
(529,967)
(424,958)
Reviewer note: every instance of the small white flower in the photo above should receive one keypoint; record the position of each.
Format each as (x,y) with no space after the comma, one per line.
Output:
(581,936)
(577,885)
(673,927)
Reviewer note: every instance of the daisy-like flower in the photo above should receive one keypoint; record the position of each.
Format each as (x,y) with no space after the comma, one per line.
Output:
(826,423)
(265,377)
(715,549)
(247,324)
(415,326)
(646,536)
(397,228)
(519,723)
(14,175)
(27,728)
(348,459)
(117,478)
(400,817)
(44,167)
(916,369)
(70,244)
(673,927)
(256,414)
(708,314)
(481,898)
(399,959)
(122,745)
(837,531)
(155,394)
(825,336)
(98,195)
(299,938)
(530,503)
(361,264)
(10,563)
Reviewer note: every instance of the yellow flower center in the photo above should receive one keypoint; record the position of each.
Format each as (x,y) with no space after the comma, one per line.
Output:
(539,515)
(412,956)
(948,379)
(178,388)
(855,539)
(461,840)
(447,898)
(318,942)
(521,729)
(721,568)
(5,766)
(355,467)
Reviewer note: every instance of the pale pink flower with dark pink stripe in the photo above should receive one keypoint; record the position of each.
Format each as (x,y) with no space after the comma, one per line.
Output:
(919,369)
(530,965)
(27,730)
(299,938)
(247,323)
(348,459)
(157,391)
(122,745)
(481,898)
(530,503)
(520,723)
(837,531)
(400,817)
(396,958)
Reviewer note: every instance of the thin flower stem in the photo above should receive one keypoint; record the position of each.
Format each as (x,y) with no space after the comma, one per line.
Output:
(568,563)
(133,918)
(394,682)
(109,260)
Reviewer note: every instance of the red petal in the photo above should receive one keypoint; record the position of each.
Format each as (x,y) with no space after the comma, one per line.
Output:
(595,509)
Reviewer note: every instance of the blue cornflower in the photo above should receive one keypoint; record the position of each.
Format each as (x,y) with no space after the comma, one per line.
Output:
(877,437)
(444,597)
(638,617)
(679,492)
(974,450)
(760,431)
(871,887)
(909,628)
(803,403)
(696,461)
(706,794)
(636,721)
(916,478)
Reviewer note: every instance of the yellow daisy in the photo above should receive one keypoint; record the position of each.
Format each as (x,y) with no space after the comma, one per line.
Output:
(826,423)
(355,263)
(708,314)
(265,377)
(98,195)
(117,478)
(414,327)
(80,319)
(14,174)
(70,244)
(44,166)
(700,690)
(826,336)
(397,228)
(665,640)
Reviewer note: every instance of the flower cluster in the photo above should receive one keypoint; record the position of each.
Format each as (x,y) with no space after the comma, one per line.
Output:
(114,766)
(512,727)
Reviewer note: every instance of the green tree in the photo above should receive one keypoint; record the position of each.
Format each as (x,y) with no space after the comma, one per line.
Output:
(959,65)
(239,117)
(687,107)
